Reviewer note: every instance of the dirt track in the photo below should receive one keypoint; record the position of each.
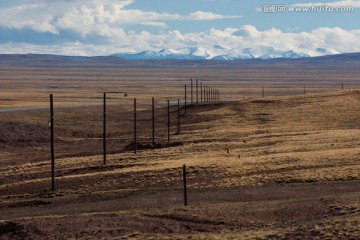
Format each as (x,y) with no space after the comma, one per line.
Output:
(285,167)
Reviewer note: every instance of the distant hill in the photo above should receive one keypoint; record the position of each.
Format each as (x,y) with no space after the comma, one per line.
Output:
(343,61)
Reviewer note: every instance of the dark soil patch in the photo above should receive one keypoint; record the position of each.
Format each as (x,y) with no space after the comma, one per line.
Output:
(22,133)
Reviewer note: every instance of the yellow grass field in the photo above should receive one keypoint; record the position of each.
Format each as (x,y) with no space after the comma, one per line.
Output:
(279,167)
(23,86)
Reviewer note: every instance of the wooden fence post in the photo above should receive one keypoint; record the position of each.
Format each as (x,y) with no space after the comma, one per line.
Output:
(178,112)
(168,125)
(197,91)
(192,97)
(153,121)
(185,186)
(52,143)
(135,128)
(185,99)
(104,129)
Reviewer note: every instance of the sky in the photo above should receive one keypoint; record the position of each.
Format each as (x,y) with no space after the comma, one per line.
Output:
(94,27)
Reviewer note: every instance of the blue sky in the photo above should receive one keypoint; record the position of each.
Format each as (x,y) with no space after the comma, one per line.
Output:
(92,27)
(247,9)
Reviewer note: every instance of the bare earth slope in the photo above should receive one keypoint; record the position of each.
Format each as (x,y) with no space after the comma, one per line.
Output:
(267,168)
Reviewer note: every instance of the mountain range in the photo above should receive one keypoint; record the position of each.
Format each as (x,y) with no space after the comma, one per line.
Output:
(218,52)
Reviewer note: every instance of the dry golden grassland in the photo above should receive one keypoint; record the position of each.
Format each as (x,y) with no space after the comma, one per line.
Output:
(30,86)
(262,168)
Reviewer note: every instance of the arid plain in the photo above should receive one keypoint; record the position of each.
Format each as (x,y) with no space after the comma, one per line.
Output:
(283,166)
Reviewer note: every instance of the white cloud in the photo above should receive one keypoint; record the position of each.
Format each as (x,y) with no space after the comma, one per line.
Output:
(155,24)
(247,31)
(16,17)
(86,17)
(200,15)
(107,18)
(335,40)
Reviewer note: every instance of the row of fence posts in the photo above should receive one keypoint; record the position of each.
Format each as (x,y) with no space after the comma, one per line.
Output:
(204,94)
(263,90)
(207,94)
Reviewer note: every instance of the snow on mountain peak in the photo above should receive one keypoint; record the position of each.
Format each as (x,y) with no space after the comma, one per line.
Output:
(218,52)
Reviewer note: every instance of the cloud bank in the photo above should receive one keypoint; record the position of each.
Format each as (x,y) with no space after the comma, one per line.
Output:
(330,40)
(86,17)
(91,27)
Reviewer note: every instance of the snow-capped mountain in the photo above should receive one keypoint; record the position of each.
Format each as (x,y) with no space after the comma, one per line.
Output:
(188,53)
(235,55)
(288,54)
(157,55)
(218,52)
